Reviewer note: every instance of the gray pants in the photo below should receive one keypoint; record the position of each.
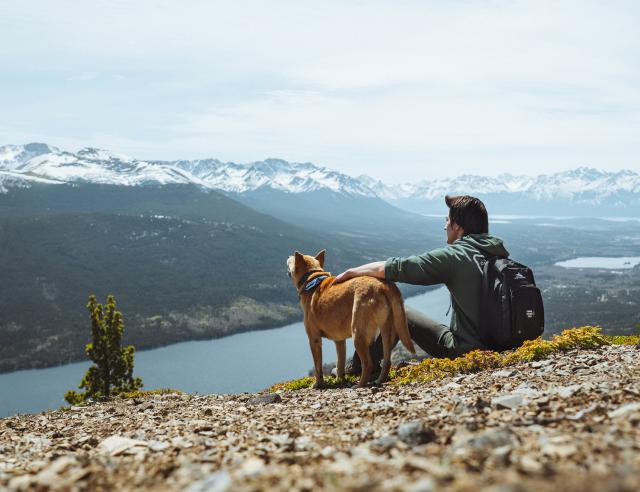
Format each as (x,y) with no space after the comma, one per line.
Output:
(432,337)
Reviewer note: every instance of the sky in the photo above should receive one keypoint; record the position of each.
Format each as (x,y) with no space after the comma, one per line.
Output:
(399,90)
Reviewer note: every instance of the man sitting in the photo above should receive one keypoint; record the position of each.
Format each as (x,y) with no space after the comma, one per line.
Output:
(459,266)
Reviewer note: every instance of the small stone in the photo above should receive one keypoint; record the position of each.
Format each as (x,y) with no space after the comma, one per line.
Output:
(158,446)
(415,433)
(251,467)
(504,373)
(624,410)
(115,445)
(511,401)
(423,485)
(383,444)
(216,482)
(528,464)
(567,391)
(328,452)
(265,399)
(559,450)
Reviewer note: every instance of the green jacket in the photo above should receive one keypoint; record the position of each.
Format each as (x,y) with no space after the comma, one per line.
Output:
(459,267)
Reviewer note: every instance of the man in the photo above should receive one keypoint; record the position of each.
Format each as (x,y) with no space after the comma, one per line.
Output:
(459,266)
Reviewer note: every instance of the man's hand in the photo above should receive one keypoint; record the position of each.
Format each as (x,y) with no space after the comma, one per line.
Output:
(375,269)
(346,275)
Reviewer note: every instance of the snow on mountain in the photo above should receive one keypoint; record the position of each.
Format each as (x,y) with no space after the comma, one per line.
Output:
(35,162)
(276,174)
(388,192)
(23,164)
(39,161)
(567,184)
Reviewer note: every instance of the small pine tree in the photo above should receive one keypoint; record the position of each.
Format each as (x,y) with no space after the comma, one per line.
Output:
(112,372)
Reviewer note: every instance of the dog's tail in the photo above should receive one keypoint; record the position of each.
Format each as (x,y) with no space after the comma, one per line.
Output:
(394,297)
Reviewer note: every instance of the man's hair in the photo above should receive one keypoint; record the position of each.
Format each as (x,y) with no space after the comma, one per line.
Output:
(469,213)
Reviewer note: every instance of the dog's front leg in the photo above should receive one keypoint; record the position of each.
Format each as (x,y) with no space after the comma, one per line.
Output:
(341,351)
(316,351)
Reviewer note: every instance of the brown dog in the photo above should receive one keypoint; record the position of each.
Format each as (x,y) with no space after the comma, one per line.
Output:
(356,308)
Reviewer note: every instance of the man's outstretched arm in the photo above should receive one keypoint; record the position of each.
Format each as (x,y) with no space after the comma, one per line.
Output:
(375,269)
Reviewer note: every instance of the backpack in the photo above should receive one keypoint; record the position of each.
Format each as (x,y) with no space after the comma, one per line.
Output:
(511,305)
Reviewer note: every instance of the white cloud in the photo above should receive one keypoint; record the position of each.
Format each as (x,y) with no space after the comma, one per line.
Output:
(380,87)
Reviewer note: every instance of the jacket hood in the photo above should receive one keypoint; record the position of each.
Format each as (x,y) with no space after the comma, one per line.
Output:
(486,243)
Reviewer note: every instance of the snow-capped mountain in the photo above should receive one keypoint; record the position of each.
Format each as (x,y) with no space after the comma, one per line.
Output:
(37,162)
(21,165)
(275,174)
(582,185)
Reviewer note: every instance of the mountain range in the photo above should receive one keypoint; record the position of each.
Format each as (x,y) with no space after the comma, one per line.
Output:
(259,184)
(196,249)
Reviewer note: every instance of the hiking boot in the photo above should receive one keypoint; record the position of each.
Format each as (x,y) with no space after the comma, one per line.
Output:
(353,368)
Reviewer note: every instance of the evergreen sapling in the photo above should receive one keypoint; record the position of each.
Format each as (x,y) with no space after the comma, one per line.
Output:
(112,371)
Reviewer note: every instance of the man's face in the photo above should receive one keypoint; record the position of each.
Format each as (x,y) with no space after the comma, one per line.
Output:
(453,230)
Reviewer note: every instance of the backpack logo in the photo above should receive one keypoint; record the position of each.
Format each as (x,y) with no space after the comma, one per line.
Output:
(530,313)
(519,276)
(480,261)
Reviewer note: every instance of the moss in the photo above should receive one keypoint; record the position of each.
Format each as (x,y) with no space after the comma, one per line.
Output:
(586,337)
(143,393)
(307,382)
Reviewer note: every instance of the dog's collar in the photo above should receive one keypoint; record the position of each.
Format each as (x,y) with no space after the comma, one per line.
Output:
(312,279)
(306,276)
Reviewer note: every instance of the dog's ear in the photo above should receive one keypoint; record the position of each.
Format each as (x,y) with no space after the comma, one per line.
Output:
(300,263)
(320,257)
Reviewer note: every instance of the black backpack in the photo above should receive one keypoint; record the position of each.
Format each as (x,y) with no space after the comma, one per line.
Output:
(511,305)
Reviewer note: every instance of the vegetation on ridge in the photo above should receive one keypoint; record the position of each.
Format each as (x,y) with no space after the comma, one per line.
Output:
(586,337)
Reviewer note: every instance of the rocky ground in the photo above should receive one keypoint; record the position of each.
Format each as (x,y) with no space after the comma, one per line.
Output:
(571,422)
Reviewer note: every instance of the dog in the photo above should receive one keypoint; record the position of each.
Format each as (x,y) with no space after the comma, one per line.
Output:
(358,308)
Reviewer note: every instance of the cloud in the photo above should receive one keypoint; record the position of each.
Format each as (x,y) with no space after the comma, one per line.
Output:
(368,86)
(83,77)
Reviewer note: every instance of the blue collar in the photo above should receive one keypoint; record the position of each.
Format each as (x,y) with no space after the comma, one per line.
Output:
(314,283)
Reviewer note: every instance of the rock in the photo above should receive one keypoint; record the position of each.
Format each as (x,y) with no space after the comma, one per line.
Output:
(158,446)
(525,390)
(116,445)
(529,464)
(383,444)
(415,433)
(511,401)
(474,449)
(216,482)
(265,399)
(559,450)
(505,373)
(432,467)
(567,391)
(423,485)
(251,467)
(623,410)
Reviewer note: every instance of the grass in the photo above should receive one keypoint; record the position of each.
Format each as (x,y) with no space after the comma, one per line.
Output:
(586,337)
(143,393)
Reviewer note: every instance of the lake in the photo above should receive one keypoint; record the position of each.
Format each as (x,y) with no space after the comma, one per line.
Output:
(609,263)
(246,362)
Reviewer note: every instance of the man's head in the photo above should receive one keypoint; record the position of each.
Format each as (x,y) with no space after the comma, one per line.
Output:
(467,215)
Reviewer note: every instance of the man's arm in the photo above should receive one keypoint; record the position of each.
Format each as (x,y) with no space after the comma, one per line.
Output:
(375,269)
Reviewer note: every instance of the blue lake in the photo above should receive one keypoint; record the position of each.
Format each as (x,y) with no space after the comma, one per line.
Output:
(609,263)
(246,362)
